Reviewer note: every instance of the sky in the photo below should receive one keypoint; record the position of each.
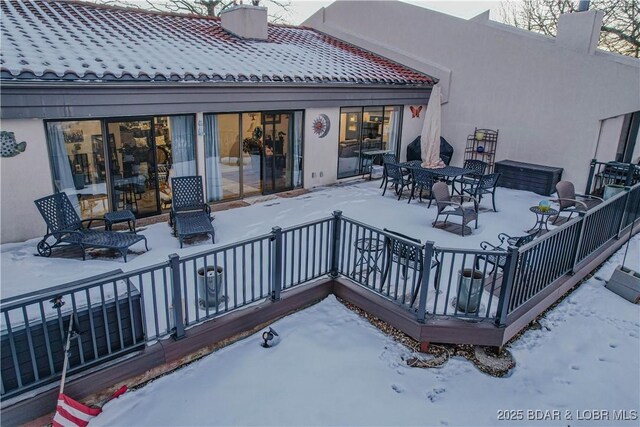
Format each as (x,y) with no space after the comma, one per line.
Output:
(302,9)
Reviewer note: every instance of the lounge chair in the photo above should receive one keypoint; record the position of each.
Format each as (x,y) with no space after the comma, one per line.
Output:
(448,205)
(190,215)
(66,227)
(571,202)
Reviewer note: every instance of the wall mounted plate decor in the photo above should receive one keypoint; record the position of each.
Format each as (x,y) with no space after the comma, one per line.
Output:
(9,146)
(321,125)
(415,111)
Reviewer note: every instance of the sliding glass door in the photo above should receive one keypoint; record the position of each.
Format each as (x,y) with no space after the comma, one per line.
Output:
(252,153)
(363,131)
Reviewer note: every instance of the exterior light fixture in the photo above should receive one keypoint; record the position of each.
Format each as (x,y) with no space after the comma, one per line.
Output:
(269,336)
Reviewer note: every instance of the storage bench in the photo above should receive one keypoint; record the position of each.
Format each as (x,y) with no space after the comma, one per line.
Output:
(528,177)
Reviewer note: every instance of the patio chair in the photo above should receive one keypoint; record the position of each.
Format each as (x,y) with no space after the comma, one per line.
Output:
(189,215)
(571,202)
(421,179)
(499,261)
(448,206)
(408,257)
(486,184)
(387,158)
(66,227)
(478,167)
(397,177)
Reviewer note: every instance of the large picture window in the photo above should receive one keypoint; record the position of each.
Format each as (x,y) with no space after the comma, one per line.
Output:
(363,131)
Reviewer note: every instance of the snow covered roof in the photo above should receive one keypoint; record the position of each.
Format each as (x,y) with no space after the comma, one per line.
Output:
(62,40)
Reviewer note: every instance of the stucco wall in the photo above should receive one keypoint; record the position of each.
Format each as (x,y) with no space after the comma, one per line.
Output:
(320,154)
(24,178)
(411,128)
(546,100)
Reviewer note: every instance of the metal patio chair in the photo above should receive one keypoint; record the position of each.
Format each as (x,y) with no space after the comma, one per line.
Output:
(447,205)
(421,179)
(408,257)
(65,226)
(189,215)
(505,241)
(571,202)
(478,167)
(387,158)
(396,177)
(486,184)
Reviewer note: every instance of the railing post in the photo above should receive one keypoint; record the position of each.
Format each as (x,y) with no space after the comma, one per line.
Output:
(592,169)
(508,278)
(335,244)
(276,268)
(176,297)
(424,284)
(576,253)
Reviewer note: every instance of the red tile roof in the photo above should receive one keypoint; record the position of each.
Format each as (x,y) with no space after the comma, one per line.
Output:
(62,40)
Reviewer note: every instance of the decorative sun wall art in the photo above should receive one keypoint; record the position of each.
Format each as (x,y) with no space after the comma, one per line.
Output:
(321,125)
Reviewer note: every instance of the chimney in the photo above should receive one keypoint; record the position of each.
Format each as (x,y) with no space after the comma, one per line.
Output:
(246,21)
(580,31)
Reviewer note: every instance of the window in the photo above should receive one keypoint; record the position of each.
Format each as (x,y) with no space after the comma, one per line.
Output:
(364,130)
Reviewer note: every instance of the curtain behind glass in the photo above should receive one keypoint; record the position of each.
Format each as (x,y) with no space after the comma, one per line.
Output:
(183,147)
(297,149)
(62,173)
(212,155)
(394,126)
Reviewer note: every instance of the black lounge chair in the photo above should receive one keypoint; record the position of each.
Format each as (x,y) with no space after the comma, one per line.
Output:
(190,215)
(66,227)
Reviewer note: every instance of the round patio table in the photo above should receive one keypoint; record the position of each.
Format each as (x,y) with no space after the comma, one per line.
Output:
(368,250)
(542,217)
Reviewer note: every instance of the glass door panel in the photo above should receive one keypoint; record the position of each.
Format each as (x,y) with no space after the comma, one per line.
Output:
(252,148)
(277,172)
(133,158)
(349,143)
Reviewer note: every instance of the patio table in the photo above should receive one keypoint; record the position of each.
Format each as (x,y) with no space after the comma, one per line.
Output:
(373,154)
(449,173)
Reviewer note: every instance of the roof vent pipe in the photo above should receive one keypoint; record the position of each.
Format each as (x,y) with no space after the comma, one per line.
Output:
(583,5)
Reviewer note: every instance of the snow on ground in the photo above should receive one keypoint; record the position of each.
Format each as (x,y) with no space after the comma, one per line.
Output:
(333,368)
(23,272)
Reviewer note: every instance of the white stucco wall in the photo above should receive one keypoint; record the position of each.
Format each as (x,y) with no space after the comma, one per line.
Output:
(23,179)
(547,100)
(320,154)
(411,128)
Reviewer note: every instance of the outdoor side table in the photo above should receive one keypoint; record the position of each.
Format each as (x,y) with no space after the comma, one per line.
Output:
(126,215)
(368,250)
(541,218)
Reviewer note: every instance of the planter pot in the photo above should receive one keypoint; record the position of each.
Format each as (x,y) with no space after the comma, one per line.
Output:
(210,283)
(470,291)
(611,190)
(78,181)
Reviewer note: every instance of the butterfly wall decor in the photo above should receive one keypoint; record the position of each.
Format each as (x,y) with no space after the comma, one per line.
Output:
(415,111)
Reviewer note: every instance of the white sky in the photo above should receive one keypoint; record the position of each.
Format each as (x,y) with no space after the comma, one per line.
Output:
(302,9)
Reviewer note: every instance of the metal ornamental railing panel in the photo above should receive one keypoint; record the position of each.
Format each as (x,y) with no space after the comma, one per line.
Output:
(125,311)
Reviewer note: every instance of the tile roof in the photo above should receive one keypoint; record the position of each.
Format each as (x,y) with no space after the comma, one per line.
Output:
(62,40)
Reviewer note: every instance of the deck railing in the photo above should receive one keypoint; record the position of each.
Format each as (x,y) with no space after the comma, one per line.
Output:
(124,312)
(602,174)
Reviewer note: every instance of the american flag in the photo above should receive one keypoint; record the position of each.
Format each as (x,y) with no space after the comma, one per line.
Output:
(71,413)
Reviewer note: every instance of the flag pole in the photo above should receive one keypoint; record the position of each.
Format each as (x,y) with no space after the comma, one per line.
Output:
(66,354)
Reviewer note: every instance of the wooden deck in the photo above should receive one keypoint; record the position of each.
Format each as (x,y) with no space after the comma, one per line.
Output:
(200,340)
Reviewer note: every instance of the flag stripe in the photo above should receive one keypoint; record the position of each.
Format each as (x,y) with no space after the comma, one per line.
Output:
(71,413)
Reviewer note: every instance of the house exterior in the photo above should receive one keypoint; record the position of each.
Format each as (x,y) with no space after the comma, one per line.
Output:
(556,101)
(113,102)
